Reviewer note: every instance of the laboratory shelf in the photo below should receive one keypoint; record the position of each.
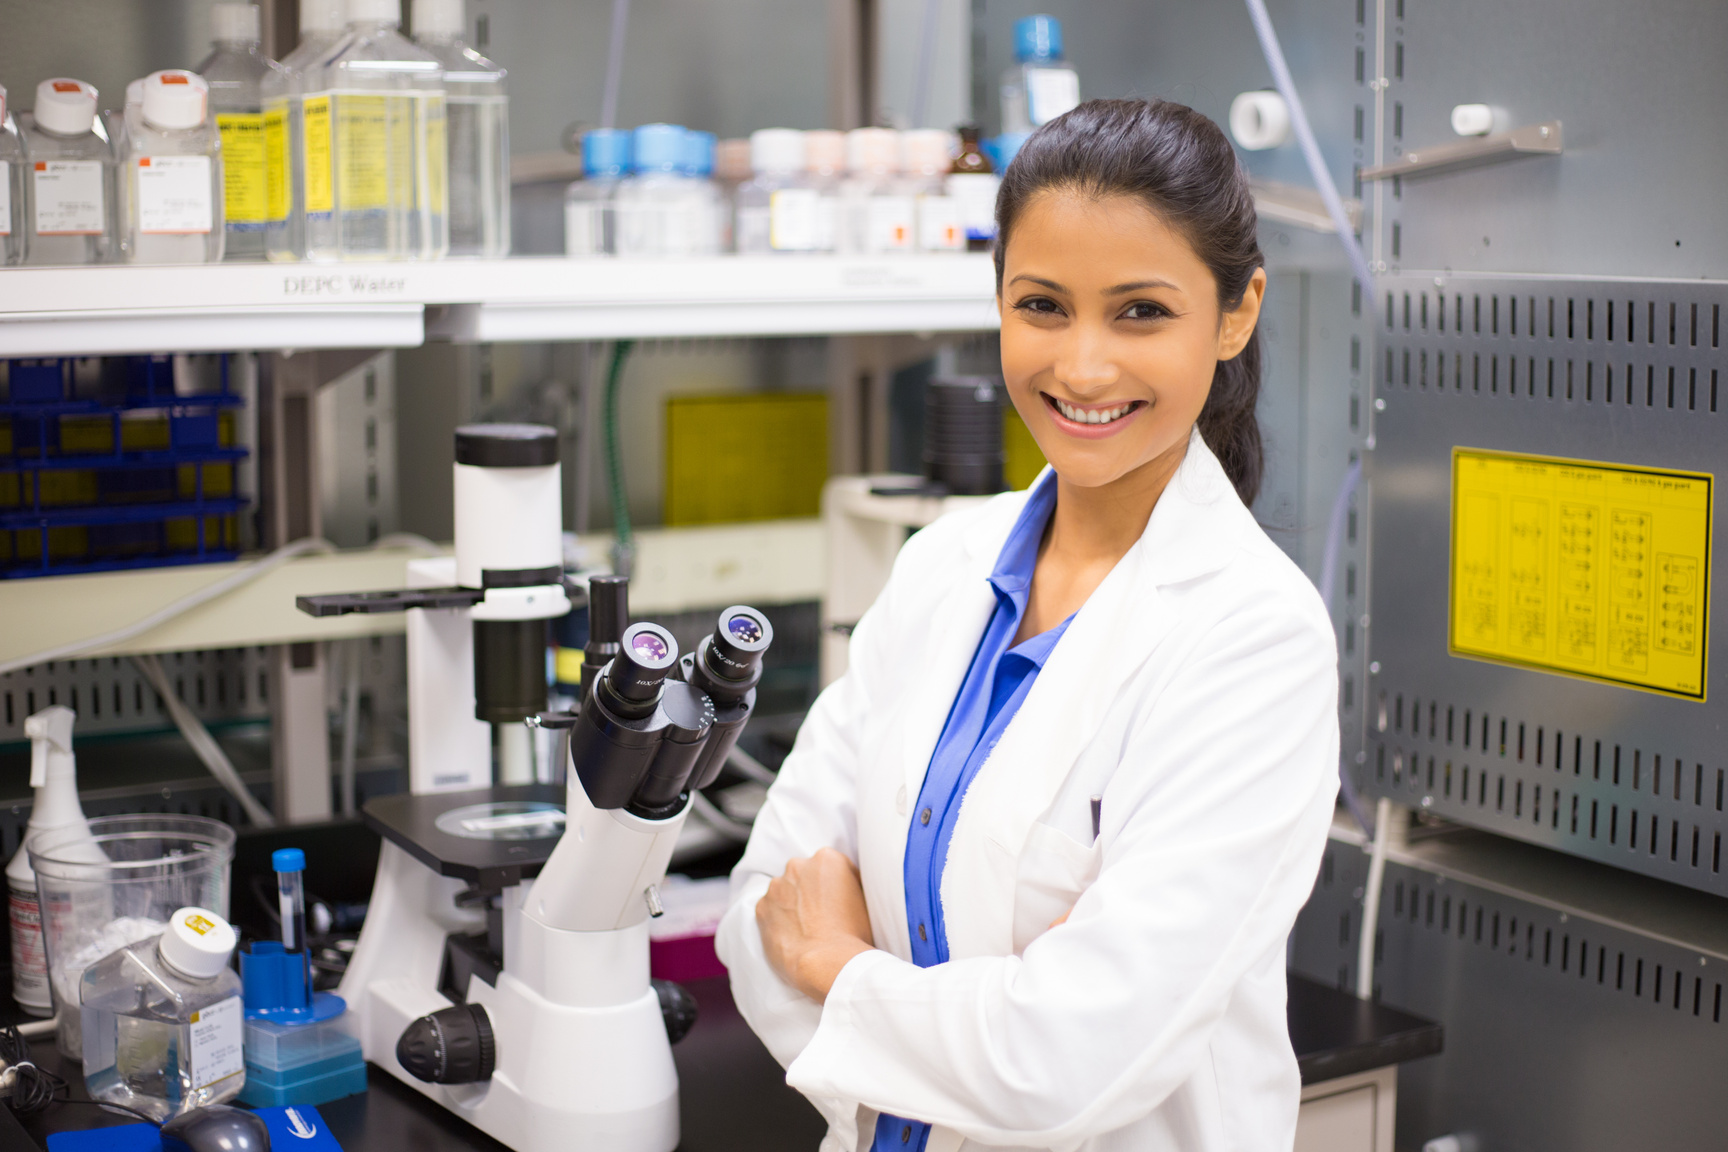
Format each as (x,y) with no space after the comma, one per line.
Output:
(223,307)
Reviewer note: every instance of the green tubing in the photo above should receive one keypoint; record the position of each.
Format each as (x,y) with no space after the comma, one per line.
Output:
(614,464)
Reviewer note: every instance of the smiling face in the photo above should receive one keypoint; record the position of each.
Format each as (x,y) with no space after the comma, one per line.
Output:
(1111,331)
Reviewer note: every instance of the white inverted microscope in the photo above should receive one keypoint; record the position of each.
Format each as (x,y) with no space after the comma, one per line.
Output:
(503,967)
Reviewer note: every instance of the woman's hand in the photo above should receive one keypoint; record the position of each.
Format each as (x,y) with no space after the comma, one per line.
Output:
(813,920)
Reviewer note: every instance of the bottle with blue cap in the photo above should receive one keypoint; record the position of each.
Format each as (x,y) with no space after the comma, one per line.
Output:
(1040,86)
(589,223)
(655,207)
(708,204)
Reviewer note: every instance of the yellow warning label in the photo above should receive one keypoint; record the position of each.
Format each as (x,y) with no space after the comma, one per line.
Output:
(364,152)
(199,924)
(1593,570)
(315,121)
(276,160)
(244,177)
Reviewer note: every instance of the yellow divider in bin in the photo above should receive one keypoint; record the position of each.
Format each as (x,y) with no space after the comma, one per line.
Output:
(749,456)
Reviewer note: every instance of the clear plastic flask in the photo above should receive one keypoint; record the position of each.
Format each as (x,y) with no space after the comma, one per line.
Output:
(876,213)
(478,112)
(69,208)
(321,26)
(654,207)
(236,71)
(173,174)
(926,154)
(1040,86)
(375,155)
(777,207)
(824,169)
(13,167)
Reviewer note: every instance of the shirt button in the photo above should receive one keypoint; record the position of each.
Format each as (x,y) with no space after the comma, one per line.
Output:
(922,935)
(924,816)
(906,1134)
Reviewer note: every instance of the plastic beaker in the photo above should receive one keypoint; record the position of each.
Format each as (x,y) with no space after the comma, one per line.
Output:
(117,884)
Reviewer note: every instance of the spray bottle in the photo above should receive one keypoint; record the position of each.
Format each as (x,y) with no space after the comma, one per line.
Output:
(53,773)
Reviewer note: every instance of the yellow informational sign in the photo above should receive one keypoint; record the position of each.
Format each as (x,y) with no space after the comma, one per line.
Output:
(320,193)
(245,174)
(1593,570)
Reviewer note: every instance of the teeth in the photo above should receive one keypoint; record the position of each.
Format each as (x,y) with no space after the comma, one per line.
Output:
(1092,415)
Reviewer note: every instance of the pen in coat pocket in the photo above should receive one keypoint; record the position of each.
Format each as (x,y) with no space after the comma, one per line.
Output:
(1097,816)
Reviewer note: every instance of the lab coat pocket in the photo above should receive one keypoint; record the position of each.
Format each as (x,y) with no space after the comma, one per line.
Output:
(1054,869)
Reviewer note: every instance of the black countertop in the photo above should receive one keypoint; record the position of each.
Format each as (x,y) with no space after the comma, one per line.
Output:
(734,1098)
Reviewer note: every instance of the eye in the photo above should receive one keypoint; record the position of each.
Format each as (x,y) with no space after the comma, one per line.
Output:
(1039,306)
(1145,310)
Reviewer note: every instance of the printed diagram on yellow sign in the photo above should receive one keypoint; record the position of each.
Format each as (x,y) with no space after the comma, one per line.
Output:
(1594,570)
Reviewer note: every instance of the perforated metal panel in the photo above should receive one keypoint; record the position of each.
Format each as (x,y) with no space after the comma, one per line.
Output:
(111,696)
(1565,1031)
(1620,371)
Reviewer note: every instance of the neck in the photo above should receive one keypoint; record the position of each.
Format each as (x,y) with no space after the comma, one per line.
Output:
(1103,523)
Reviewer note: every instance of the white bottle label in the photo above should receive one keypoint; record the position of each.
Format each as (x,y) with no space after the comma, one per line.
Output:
(582,229)
(1050,92)
(216,1035)
(975,195)
(754,230)
(794,219)
(29,959)
(174,195)
(939,227)
(889,224)
(69,198)
(5,199)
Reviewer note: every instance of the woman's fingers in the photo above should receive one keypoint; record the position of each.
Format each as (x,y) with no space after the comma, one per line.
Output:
(813,918)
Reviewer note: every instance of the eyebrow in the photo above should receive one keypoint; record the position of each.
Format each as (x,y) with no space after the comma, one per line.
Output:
(1114,290)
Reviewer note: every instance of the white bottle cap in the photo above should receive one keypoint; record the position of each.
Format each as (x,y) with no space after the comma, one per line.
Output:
(874,150)
(323,16)
(388,11)
(777,150)
(197,943)
(926,151)
(234,23)
(438,18)
(66,106)
(824,152)
(174,99)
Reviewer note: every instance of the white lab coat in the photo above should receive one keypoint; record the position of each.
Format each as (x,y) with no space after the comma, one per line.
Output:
(1196,694)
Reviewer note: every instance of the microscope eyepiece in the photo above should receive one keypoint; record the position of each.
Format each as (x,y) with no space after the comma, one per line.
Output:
(647,654)
(740,639)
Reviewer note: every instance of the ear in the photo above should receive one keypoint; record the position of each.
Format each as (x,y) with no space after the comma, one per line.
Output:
(1238,324)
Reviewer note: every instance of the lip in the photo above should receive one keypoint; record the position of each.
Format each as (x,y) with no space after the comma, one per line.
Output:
(1091,431)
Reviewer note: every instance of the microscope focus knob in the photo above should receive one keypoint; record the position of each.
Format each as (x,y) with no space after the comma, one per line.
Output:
(451,1046)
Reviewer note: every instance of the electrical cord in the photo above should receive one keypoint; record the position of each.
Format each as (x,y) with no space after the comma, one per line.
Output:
(749,767)
(1328,583)
(202,742)
(706,810)
(34,1088)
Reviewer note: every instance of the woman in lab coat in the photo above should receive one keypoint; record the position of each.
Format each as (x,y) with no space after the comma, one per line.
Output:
(1026,877)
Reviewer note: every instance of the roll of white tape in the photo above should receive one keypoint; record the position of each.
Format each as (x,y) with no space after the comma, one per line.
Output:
(1259,120)
(1472,119)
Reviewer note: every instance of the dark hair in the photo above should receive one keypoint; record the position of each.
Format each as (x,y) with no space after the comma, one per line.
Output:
(1180,165)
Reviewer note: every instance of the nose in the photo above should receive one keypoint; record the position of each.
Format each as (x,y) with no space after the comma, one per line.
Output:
(1086,364)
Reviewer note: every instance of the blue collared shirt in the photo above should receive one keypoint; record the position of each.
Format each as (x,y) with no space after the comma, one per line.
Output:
(996,685)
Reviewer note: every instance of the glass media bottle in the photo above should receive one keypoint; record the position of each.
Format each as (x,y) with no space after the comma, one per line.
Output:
(235,71)
(321,26)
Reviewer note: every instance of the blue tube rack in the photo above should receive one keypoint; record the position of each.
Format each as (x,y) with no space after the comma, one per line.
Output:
(127,524)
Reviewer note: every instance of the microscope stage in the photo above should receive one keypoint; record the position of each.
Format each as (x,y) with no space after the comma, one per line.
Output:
(491,837)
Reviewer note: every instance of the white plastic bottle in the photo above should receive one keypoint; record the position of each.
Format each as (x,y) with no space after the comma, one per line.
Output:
(236,71)
(54,776)
(478,111)
(173,174)
(926,155)
(321,26)
(1040,86)
(731,170)
(777,207)
(824,169)
(12,169)
(375,156)
(876,213)
(588,203)
(69,209)
(654,207)
(162,1019)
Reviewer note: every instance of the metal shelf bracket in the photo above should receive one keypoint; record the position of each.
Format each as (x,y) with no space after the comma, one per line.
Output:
(1530,140)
